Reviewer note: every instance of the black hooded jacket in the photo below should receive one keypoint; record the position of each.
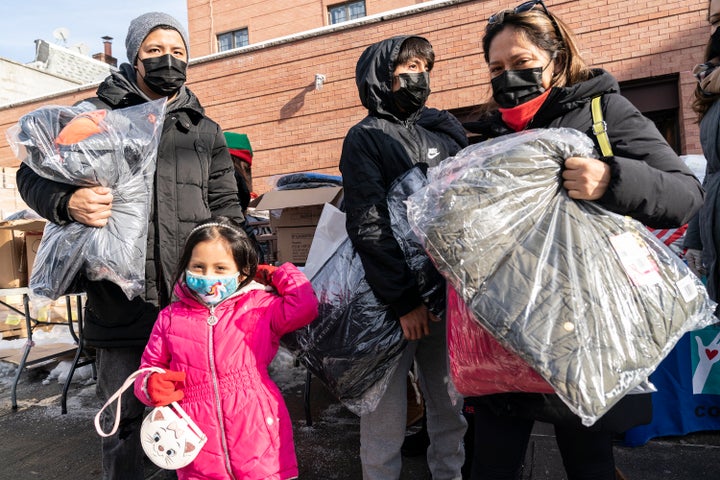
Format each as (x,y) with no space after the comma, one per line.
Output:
(376,151)
(648,180)
(194,179)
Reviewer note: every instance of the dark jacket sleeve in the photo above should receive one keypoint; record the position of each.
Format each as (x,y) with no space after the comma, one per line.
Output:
(46,197)
(692,234)
(368,223)
(222,187)
(649,182)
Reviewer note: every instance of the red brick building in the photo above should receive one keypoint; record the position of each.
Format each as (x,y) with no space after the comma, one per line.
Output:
(267,88)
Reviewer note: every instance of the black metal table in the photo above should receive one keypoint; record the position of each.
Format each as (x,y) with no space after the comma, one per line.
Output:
(31,323)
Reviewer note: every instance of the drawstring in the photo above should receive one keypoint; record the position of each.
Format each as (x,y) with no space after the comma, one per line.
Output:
(413,382)
(130,380)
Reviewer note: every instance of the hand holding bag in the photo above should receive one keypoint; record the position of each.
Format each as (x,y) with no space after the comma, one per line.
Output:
(169,437)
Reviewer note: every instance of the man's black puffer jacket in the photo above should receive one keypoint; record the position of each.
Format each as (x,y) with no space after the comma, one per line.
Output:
(194,179)
(376,151)
(648,182)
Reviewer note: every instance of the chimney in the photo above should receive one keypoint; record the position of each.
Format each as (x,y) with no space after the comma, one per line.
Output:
(106,56)
(107,41)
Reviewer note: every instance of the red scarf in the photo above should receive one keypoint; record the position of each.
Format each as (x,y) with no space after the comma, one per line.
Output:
(518,117)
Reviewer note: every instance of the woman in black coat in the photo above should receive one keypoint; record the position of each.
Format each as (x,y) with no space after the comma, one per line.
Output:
(540,81)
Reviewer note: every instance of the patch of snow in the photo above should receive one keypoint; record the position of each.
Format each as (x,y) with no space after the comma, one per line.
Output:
(60,373)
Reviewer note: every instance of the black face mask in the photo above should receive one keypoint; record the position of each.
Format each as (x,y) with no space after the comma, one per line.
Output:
(414,91)
(515,87)
(164,75)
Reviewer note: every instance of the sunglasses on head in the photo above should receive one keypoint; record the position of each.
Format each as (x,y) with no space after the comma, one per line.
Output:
(499,18)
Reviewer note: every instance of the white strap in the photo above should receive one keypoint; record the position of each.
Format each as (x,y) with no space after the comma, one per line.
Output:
(179,410)
(129,381)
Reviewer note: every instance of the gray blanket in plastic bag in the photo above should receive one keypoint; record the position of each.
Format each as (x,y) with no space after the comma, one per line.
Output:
(590,299)
(355,343)
(118,151)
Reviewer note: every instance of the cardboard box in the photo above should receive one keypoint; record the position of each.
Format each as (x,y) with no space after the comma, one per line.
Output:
(32,244)
(296,208)
(14,271)
(294,215)
(293,244)
(279,199)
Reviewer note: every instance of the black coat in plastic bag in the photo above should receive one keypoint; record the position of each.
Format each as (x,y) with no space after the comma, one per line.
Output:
(355,343)
(119,153)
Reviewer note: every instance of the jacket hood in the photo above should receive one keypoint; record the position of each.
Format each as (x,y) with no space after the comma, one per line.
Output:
(374,76)
(120,90)
(565,99)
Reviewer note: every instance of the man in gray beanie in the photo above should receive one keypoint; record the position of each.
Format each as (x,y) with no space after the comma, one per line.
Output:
(194,180)
(143,25)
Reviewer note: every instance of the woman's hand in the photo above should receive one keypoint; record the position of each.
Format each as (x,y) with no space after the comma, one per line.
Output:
(585,178)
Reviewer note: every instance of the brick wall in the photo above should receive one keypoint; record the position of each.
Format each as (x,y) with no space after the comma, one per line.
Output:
(10,201)
(266,19)
(268,93)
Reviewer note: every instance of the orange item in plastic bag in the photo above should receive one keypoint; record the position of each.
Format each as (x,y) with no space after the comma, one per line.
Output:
(81,127)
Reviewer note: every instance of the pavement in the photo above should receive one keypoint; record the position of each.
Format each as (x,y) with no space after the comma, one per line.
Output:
(38,442)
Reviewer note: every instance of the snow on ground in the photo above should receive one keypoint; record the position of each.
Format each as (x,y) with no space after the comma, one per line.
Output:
(283,369)
(57,334)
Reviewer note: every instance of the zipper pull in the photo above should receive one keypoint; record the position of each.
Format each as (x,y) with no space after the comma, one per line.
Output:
(212,319)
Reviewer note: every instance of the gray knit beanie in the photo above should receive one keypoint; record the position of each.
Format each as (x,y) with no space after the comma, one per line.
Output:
(141,27)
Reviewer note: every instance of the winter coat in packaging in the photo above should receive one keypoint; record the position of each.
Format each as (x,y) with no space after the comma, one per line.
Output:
(589,298)
(355,343)
(85,147)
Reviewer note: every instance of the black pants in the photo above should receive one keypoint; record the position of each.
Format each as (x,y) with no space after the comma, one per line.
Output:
(501,442)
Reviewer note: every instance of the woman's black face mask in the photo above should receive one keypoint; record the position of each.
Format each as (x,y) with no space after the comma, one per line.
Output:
(413,92)
(515,87)
(164,75)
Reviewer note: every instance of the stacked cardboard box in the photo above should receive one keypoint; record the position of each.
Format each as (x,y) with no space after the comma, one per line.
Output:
(294,215)
(19,242)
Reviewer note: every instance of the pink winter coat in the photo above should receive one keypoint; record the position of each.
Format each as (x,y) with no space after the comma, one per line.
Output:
(228,392)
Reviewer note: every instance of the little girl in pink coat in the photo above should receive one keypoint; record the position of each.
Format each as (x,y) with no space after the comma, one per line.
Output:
(215,343)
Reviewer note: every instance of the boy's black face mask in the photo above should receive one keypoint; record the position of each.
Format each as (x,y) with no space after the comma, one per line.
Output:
(164,75)
(414,91)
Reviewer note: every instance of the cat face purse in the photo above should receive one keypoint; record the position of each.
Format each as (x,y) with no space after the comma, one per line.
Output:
(169,437)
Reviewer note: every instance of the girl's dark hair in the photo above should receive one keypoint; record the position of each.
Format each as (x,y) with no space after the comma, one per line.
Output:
(414,47)
(702,102)
(540,29)
(214,228)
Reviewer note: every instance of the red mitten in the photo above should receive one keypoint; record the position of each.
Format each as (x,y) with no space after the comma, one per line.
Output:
(264,274)
(161,387)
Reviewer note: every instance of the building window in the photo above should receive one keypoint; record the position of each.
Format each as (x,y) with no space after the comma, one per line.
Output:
(657,98)
(343,12)
(234,39)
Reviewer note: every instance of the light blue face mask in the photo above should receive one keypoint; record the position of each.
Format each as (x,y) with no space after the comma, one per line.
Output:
(212,290)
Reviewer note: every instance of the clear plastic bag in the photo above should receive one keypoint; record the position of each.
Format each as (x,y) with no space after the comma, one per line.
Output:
(354,344)
(115,149)
(588,298)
